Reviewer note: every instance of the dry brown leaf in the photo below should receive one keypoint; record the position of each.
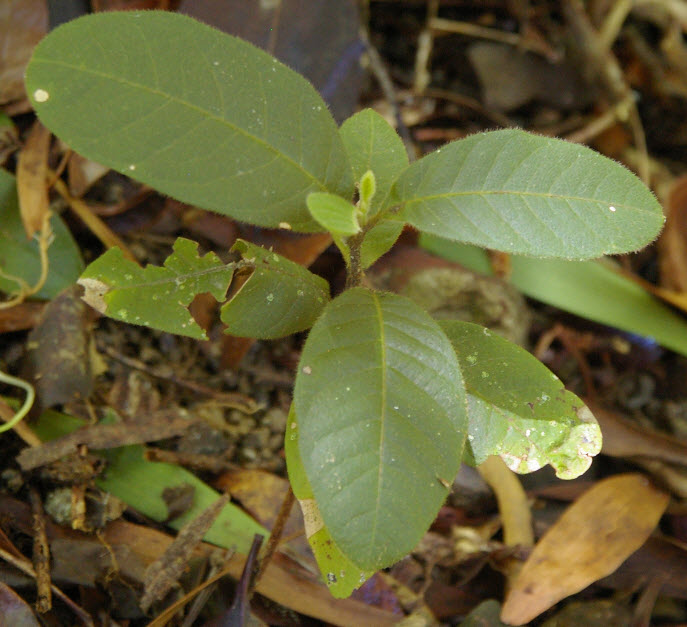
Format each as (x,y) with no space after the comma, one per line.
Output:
(589,541)
(158,426)
(14,611)
(511,78)
(32,186)
(622,438)
(23,23)
(83,173)
(20,317)
(261,494)
(134,547)
(672,245)
(58,351)
(164,573)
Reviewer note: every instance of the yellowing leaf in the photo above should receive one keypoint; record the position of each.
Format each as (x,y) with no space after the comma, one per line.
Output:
(590,540)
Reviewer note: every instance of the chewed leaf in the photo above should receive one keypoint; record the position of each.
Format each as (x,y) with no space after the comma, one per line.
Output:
(340,574)
(521,193)
(156,297)
(279,298)
(197,114)
(518,408)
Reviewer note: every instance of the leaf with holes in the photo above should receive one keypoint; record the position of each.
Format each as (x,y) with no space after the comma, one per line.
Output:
(197,114)
(156,297)
(381,412)
(279,298)
(340,574)
(521,193)
(518,408)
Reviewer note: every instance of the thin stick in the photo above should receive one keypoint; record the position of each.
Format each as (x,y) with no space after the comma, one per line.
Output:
(41,554)
(382,75)
(25,567)
(275,537)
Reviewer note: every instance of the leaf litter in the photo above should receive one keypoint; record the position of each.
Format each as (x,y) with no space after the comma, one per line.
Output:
(465,549)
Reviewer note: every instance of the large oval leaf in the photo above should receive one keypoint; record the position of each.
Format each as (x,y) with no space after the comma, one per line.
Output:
(521,193)
(518,408)
(202,116)
(382,417)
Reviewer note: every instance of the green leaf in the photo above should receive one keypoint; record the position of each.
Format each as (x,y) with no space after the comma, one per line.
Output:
(197,114)
(340,574)
(372,144)
(141,483)
(518,408)
(379,239)
(20,257)
(591,289)
(382,418)
(334,213)
(279,298)
(521,193)
(156,297)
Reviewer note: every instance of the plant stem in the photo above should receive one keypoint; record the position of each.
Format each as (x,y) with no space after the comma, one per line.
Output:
(355,274)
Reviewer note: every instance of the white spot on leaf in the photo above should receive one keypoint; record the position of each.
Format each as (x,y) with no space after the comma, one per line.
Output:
(40,95)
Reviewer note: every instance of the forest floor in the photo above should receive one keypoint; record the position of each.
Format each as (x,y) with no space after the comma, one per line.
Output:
(87,522)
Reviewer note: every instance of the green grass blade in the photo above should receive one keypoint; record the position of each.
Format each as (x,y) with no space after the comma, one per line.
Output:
(590,289)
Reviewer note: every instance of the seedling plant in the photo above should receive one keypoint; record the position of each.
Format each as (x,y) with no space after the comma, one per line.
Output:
(388,402)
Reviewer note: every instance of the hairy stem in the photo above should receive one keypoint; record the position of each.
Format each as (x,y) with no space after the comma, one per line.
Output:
(355,274)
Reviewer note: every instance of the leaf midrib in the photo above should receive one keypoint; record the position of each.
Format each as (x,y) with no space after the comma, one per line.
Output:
(499,192)
(382,417)
(191,106)
(159,282)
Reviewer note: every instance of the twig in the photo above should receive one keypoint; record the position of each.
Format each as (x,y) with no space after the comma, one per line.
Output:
(425,43)
(92,221)
(41,554)
(613,22)
(234,400)
(275,537)
(492,34)
(601,63)
(620,112)
(24,566)
(382,75)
